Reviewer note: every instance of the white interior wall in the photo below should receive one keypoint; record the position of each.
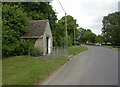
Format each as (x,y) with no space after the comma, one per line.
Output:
(49,45)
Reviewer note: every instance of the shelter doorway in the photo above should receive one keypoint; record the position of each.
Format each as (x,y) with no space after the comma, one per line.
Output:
(47,45)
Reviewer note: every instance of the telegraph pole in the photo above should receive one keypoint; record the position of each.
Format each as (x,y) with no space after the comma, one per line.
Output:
(74,36)
(66,28)
(65,25)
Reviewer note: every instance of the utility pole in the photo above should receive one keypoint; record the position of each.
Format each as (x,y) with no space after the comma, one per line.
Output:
(74,36)
(65,25)
(119,6)
(66,28)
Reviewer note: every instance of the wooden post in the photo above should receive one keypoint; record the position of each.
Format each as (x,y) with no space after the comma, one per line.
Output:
(29,51)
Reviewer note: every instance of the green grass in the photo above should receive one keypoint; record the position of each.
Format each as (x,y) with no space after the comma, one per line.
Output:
(0,72)
(21,70)
(114,48)
(76,49)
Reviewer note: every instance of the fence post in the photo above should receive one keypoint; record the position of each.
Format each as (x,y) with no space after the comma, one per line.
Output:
(57,51)
(29,51)
(64,50)
(54,52)
(61,51)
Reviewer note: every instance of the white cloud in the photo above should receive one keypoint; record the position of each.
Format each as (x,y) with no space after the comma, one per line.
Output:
(89,14)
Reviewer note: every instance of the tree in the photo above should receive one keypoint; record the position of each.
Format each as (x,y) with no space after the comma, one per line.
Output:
(99,39)
(15,17)
(71,28)
(86,36)
(14,21)
(111,28)
(81,35)
(41,11)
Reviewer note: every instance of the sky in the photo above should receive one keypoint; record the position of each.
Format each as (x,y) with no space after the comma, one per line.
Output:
(88,13)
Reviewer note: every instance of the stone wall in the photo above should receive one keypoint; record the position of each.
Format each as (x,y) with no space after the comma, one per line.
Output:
(48,33)
(39,44)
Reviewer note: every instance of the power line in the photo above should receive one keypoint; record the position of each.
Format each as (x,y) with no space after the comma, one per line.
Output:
(62,6)
(65,25)
(65,17)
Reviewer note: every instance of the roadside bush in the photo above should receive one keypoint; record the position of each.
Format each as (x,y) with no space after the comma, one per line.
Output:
(14,25)
(35,52)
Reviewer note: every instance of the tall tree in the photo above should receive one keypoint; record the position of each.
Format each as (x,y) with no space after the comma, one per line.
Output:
(99,39)
(111,28)
(15,17)
(41,11)
(71,28)
(86,36)
(81,35)
(14,22)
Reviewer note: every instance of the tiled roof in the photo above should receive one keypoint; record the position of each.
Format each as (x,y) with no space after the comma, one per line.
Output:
(36,28)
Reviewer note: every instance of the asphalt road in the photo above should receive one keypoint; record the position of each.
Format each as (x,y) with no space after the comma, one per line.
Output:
(96,66)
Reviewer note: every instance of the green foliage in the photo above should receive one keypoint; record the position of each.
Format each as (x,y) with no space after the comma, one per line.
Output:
(14,21)
(69,41)
(15,17)
(71,29)
(86,36)
(99,39)
(41,11)
(90,37)
(23,48)
(111,28)
(35,52)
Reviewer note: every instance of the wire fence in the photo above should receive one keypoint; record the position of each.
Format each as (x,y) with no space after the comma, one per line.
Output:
(60,51)
(57,51)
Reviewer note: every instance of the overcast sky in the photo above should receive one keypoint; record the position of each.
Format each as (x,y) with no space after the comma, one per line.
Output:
(88,13)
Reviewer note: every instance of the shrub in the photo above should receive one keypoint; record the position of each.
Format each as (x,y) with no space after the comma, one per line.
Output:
(35,52)
(14,25)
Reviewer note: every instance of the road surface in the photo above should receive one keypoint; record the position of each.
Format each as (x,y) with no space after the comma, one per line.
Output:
(96,66)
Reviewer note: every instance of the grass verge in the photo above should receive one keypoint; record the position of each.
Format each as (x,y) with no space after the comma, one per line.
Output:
(21,70)
(76,49)
(114,48)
